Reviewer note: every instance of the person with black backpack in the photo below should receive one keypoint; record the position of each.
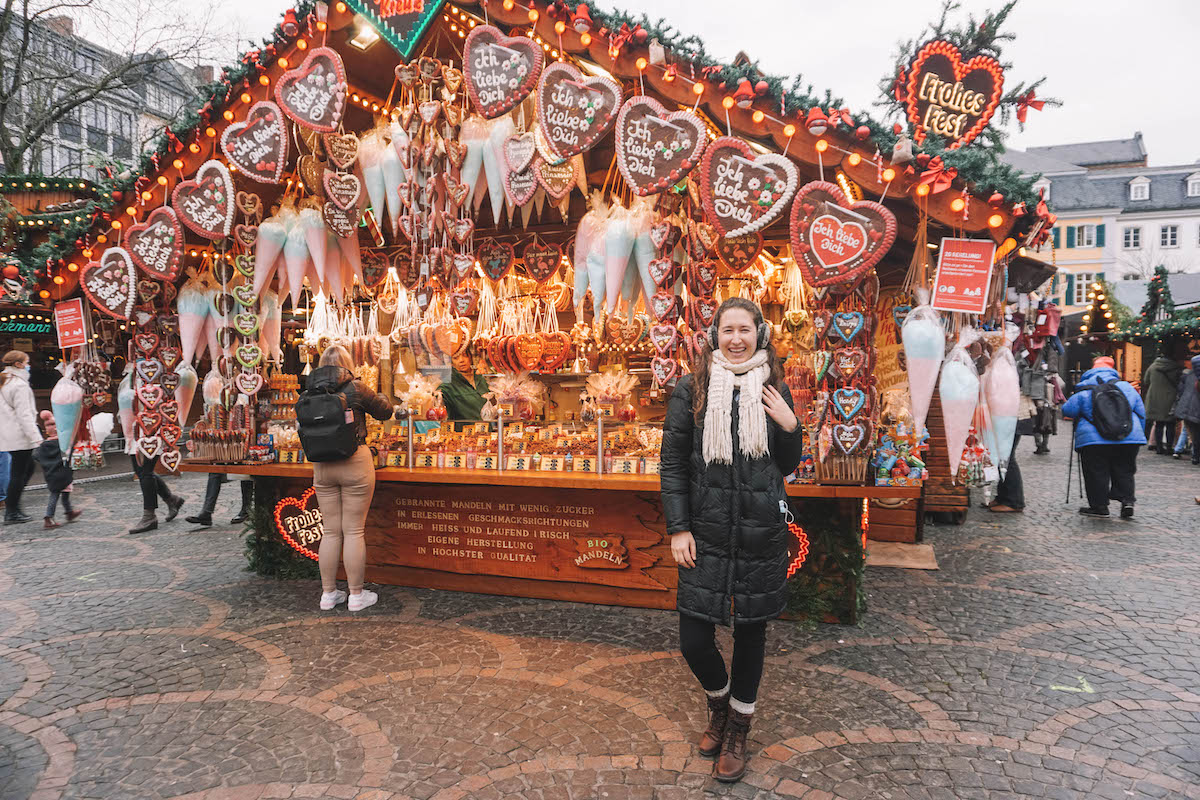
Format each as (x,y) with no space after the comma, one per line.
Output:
(1110,425)
(331,415)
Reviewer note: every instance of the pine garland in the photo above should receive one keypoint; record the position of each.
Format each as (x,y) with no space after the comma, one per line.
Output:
(1158,317)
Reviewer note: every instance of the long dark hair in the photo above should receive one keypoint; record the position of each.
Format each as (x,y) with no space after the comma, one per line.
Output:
(704,363)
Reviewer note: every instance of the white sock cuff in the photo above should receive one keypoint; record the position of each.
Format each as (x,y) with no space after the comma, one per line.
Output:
(740,707)
(719,692)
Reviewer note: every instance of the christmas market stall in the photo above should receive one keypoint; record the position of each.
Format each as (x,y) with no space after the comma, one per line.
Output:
(521,218)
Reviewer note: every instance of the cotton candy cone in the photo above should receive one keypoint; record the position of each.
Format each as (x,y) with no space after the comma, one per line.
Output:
(924,345)
(211,325)
(400,143)
(125,398)
(369,153)
(315,236)
(494,162)
(393,176)
(271,236)
(66,401)
(213,386)
(959,391)
(1002,389)
(186,390)
(271,314)
(333,267)
(295,253)
(351,260)
(193,305)
(474,134)
(618,245)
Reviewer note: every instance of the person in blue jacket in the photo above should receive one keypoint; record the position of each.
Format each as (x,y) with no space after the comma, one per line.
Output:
(1108,466)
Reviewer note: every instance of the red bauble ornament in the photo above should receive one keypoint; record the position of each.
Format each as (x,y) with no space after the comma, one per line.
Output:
(117,195)
(996,200)
(761,87)
(640,36)
(863,133)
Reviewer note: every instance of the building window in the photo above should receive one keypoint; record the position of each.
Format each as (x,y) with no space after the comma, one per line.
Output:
(1085,235)
(1139,189)
(1193,186)
(1083,281)
(1132,239)
(122,142)
(96,120)
(1169,236)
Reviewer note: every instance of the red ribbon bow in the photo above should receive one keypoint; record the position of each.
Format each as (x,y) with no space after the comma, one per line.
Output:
(937,176)
(712,70)
(1027,101)
(840,115)
(899,89)
(623,37)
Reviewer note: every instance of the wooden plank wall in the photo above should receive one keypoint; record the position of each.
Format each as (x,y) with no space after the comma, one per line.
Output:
(941,493)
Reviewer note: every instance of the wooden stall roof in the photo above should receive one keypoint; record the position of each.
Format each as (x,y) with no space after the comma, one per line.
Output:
(548,480)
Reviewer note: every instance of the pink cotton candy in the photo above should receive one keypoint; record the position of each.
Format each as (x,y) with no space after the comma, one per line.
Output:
(271,236)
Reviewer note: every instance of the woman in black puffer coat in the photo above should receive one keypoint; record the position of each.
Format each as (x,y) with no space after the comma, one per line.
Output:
(729,439)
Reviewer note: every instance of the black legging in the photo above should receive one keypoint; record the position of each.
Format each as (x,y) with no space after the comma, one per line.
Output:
(698,641)
(153,486)
(21,471)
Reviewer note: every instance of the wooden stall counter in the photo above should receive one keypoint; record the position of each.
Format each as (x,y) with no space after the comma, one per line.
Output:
(579,537)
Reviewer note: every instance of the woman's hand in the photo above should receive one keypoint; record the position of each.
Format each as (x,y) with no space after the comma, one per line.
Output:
(778,409)
(683,548)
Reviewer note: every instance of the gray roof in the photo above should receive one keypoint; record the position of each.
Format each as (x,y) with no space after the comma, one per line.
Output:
(1096,154)
(1030,163)
(1185,291)
(1110,189)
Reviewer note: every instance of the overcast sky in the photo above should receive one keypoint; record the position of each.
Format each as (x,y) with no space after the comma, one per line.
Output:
(1118,65)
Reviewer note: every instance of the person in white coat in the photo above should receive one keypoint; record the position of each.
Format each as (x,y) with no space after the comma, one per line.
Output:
(19,433)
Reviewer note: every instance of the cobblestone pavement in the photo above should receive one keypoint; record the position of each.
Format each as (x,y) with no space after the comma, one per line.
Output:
(1052,656)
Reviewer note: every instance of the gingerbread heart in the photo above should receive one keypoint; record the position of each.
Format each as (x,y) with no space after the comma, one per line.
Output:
(245,295)
(664,369)
(170,434)
(258,147)
(170,381)
(743,190)
(314,94)
(836,242)
(701,277)
(149,369)
(556,348)
(170,356)
(664,272)
(342,188)
(542,260)
(464,302)
(246,235)
(170,411)
(665,236)
(847,325)
(150,446)
(665,338)
(248,383)
(574,111)
(343,222)
(244,264)
(148,422)
(342,148)
(846,363)
(145,343)
(111,283)
(656,149)
(979,83)
(170,460)
(704,311)
(500,70)
(496,258)
(520,187)
(248,203)
(156,245)
(556,179)
(246,324)
(519,150)
(205,204)
(848,401)
(740,252)
(529,348)
(150,395)
(248,355)
(462,228)
(664,305)
(849,438)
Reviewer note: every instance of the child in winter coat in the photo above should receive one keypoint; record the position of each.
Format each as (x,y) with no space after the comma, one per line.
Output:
(57,471)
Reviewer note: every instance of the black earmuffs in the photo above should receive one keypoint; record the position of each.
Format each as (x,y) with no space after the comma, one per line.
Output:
(764,336)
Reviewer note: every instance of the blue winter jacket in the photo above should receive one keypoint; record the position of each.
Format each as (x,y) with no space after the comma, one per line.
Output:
(1079,408)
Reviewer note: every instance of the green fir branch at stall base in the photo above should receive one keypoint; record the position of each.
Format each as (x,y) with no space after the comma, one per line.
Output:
(817,591)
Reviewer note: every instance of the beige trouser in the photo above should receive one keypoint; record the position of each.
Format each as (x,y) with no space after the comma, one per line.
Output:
(344,491)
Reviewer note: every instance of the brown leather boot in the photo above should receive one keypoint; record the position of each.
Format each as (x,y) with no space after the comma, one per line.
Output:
(731,764)
(718,715)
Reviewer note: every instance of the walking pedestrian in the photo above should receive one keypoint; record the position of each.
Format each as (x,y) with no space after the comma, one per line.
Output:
(19,433)
(212,491)
(1187,406)
(1159,386)
(729,439)
(57,471)
(1110,422)
(344,487)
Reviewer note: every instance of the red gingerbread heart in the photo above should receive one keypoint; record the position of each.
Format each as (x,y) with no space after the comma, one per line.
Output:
(314,93)
(835,241)
(258,147)
(656,149)
(574,111)
(955,100)
(500,70)
(205,205)
(156,245)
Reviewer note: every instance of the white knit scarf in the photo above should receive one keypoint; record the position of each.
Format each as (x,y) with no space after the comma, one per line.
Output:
(748,377)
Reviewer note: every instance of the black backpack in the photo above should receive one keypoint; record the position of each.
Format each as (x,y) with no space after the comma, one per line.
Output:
(327,428)
(1111,413)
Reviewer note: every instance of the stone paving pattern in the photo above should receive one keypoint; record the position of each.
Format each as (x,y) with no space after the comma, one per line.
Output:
(1052,656)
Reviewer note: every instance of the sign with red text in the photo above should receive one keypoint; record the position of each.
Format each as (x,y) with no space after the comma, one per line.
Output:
(963,273)
(949,96)
(68,320)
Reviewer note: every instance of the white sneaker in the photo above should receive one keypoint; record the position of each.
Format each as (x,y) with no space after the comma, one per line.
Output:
(360,601)
(331,599)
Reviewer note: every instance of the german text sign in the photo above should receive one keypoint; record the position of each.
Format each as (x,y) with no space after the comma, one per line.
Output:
(963,272)
(68,319)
